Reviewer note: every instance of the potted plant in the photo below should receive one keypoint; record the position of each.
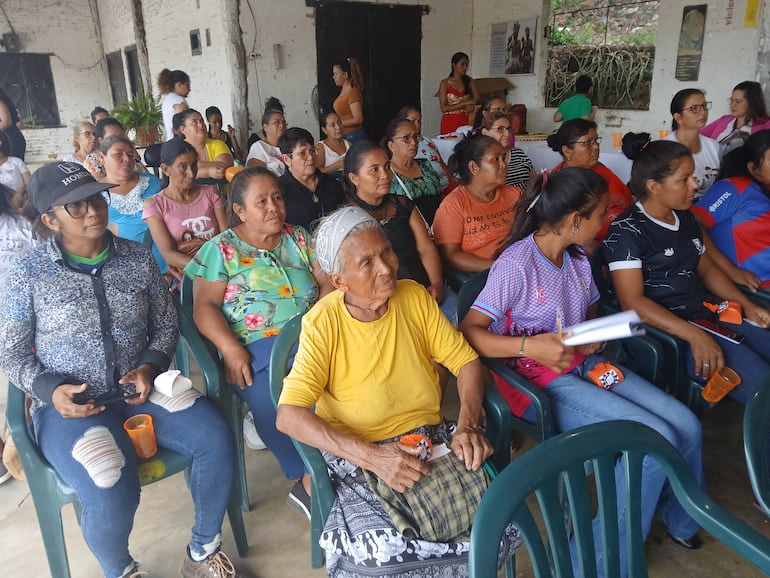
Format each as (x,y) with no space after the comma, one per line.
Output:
(143,114)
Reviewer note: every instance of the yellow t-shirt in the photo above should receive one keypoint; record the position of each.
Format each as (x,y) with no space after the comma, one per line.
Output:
(375,380)
(216,147)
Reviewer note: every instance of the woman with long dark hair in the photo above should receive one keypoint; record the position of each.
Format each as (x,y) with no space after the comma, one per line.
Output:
(457,95)
(174,85)
(542,281)
(748,115)
(349,105)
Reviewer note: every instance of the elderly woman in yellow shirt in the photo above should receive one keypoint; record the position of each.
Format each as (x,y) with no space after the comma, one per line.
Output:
(396,507)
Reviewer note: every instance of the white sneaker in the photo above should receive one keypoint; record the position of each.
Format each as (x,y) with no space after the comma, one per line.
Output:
(250,435)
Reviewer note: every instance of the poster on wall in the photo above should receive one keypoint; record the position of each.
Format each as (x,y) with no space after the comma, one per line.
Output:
(691,42)
(733,15)
(512,47)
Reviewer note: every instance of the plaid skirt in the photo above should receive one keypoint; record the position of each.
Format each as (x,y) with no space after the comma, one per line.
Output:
(361,539)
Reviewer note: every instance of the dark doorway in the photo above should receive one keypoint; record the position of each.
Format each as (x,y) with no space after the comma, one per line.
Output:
(28,81)
(386,41)
(117,78)
(134,75)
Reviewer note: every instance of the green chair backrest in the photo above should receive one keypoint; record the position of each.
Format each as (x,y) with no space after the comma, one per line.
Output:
(562,460)
(756,423)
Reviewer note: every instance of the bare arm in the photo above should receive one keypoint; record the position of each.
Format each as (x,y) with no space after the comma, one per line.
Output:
(545,348)
(5,116)
(557,116)
(255,162)
(469,443)
(181,106)
(394,463)
(221,217)
(629,287)
(594,110)
(215,169)
(475,92)
(166,244)
(322,280)
(234,141)
(722,286)
(444,102)
(207,312)
(429,256)
(321,160)
(357,112)
(738,275)
(455,257)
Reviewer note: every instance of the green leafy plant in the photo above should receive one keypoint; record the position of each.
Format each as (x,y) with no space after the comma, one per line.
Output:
(141,112)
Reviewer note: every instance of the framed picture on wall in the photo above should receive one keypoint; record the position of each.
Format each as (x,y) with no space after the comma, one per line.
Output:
(512,47)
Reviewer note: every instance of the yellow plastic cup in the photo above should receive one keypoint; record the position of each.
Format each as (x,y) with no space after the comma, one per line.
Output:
(663,134)
(721,383)
(617,139)
(142,434)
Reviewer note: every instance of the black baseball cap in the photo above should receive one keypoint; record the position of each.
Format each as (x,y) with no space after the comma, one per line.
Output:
(60,183)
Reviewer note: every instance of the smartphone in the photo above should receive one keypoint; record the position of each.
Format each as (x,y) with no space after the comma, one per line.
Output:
(718,330)
(114,397)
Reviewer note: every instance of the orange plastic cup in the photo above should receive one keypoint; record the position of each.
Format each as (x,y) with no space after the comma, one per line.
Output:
(721,383)
(663,134)
(142,434)
(617,139)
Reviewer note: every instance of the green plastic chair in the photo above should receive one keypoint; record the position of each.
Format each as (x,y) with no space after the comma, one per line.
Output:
(756,423)
(217,389)
(50,493)
(498,429)
(534,477)
(221,185)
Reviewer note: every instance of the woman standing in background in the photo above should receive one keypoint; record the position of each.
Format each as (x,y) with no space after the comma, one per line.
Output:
(457,95)
(174,85)
(349,105)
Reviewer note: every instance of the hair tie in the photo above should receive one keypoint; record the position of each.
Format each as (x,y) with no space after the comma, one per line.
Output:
(544,182)
(644,146)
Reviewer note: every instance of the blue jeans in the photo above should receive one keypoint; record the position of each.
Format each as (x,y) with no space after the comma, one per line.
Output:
(355,136)
(95,456)
(577,402)
(449,305)
(750,359)
(257,396)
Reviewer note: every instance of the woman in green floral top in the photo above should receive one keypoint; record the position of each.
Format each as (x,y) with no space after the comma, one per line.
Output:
(249,282)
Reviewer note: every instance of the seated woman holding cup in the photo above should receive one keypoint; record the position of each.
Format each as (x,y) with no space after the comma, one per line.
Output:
(661,267)
(249,281)
(68,357)
(213,155)
(357,409)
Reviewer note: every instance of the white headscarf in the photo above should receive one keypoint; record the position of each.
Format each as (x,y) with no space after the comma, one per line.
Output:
(333,230)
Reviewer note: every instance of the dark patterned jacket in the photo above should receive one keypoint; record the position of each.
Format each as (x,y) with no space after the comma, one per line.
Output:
(60,325)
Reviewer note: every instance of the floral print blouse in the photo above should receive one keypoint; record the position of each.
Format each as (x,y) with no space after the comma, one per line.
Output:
(265,289)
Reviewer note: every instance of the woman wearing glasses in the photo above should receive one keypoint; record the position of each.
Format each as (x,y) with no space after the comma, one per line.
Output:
(414,178)
(690,111)
(578,143)
(519,168)
(265,153)
(84,141)
(87,315)
(748,114)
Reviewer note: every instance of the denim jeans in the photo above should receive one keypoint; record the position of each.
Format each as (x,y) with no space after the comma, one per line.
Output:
(95,456)
(449,305)
(577,402)
(257,396)
(355,136)
(750,359)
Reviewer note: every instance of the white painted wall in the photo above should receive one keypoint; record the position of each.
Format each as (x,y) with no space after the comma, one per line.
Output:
(729,56)
(167,29)
(77,64)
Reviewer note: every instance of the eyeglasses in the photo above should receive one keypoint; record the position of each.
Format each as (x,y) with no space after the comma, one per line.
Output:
(698,107)
(589,143)
(502,129)
(303,153)
(78,209)
(87,133)
(407,138)
(281,122)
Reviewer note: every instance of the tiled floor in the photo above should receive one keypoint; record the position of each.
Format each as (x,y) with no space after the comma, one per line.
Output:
(279,538)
